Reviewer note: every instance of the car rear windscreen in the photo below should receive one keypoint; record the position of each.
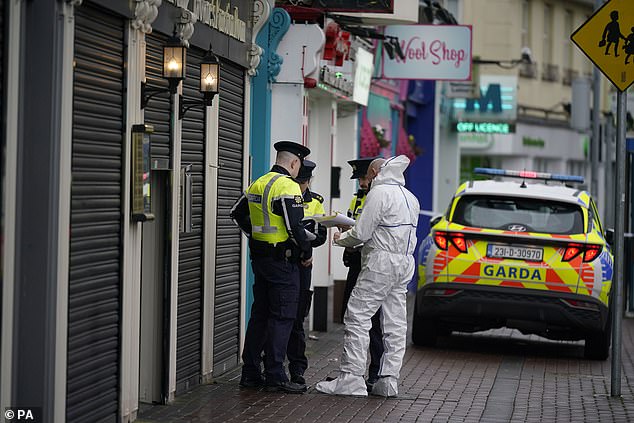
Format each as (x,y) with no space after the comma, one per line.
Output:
(511,213)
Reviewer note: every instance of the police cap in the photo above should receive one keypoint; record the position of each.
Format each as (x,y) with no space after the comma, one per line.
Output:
(360,167)
(292,147)
(306,171)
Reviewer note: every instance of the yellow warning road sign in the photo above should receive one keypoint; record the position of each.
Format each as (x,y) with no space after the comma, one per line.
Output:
(607,38)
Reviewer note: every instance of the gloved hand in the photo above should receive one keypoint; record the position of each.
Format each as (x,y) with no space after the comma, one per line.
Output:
(310,226)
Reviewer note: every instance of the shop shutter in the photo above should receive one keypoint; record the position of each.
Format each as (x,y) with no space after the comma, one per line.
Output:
(190,259)
(94,307)
(157,110)
(230,150)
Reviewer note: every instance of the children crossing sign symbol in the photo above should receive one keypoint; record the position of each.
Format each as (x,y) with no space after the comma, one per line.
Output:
(607,38)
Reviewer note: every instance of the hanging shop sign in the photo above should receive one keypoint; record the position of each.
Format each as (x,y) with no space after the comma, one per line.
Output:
(374,6)
(439,52)
(335,80)
(363,76)
(212,14)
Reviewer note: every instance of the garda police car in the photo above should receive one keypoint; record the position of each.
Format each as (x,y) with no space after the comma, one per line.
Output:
(520,254)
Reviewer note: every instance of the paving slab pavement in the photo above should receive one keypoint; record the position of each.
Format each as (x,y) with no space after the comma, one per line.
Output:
(495,376)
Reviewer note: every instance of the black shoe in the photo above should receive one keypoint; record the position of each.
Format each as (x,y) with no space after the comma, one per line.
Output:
(288,387)
(298,379)
(247,382)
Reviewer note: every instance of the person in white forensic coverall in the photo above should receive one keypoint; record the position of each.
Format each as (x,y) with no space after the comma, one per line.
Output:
(387,227)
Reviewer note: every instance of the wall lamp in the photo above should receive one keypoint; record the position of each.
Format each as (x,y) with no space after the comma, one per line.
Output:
(209,81)
(527,59)
(174,65)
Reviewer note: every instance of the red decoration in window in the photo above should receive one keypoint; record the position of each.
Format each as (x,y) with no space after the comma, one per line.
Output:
(342,48)
(332,34)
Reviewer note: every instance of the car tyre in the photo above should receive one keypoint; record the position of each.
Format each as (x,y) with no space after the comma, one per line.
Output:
(597,346)
(424,331)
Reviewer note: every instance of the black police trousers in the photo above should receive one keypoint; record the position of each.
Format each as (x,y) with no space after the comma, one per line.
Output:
(353,261)
(275,298)
(296,351)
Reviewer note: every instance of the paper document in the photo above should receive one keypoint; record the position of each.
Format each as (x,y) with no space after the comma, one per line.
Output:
(330,220)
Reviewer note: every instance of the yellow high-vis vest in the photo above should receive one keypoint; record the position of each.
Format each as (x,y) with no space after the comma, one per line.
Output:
(354,210)
(314,207)
(267,226)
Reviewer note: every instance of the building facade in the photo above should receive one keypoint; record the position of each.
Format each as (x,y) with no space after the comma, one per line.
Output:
(103,310)
(533,99)
(542,138)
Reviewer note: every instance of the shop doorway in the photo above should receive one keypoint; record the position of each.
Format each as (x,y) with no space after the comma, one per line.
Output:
(153,342)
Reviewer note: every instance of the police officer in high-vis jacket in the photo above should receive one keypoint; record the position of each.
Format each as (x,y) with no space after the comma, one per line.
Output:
(270,212)
(352,259)
(313,206)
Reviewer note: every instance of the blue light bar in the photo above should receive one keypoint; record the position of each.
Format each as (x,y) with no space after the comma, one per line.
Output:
(528,174)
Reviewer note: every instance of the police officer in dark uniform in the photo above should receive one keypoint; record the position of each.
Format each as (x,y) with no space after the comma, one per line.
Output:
(270,212)
(352,260)
(313,205)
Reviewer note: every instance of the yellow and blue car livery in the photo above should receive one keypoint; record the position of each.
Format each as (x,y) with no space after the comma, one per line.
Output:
(530,256)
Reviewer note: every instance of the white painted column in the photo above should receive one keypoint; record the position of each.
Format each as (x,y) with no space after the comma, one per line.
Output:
(175,181)
(132,237)
(246,179)
(65,180)
(209,243)
(345,148)
(322,135)
(446,156)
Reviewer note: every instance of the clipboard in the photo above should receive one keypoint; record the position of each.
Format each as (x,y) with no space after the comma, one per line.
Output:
(331,220)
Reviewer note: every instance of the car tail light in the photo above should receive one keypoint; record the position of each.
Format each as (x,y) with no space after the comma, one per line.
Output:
(590,251)
(442,240)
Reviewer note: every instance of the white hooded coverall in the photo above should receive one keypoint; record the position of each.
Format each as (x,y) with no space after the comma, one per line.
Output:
(387,227)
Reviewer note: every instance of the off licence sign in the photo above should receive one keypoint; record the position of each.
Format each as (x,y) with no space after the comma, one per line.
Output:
(607,38)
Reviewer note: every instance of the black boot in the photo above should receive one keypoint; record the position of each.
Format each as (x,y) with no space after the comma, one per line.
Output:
(288,387)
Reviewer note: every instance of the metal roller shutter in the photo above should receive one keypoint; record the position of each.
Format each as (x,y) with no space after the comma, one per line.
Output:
(230,150)
(94,307)
(157,110)
(190,264)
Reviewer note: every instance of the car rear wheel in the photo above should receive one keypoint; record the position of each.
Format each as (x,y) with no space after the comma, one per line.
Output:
(597,346)
(424,331)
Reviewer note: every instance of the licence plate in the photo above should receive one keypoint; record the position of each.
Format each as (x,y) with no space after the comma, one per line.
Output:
(514,252)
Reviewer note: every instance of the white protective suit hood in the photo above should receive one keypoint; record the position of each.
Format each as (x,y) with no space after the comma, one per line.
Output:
(389,221)
(392,171)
